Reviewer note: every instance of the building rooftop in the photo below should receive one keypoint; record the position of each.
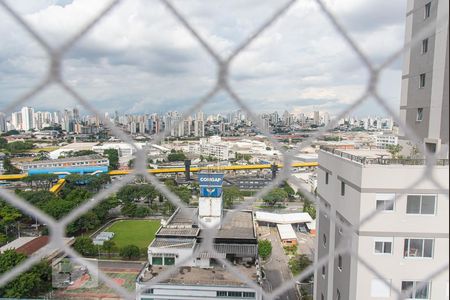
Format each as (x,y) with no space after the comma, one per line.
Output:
(217,275)
(173,243)
(377,157)
(240,226)
(184,217)
(183,232)
(70,159)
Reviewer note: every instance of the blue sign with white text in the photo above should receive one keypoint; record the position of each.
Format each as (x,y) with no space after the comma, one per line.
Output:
(210,180)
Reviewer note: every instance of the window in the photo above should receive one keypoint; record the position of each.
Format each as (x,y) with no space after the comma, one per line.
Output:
(249,295)
(383,245)
(322,297)
(340,262)
(380,288)
(416,289)
(421,204)
(338,294)
(424,46)
(419,117)
(385,202)
(169,261)
(342,188)
(323,271)
(422,80)
(418,248)
(157,261)
(326,177)
(324,240)
(221,294)
(234,294)
(427,10)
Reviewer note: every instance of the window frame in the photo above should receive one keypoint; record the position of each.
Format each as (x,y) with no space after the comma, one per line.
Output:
(340,264)
(327,177)
(342,188)
(421,205)
(414,290)
(427,10)
(425,44)
(406,252)
(384,241)
(422,80)
(419,114)
(383,197)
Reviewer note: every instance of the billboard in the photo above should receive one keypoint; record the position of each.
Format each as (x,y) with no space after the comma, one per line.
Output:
(210,180)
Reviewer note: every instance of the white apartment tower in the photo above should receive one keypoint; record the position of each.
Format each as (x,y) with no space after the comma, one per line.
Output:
(27,118)
(407,239)
(199,125)
(425,96)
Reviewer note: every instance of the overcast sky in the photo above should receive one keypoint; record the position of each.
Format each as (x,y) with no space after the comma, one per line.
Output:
(139,59)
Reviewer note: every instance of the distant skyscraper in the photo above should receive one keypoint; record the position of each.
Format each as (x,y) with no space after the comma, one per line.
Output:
(2,122)
(424,99)
(76,113)
(16,120)
(199,125)
(27,118)
(316,118)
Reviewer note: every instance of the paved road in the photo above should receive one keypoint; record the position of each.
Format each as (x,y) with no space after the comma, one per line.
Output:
(277,269)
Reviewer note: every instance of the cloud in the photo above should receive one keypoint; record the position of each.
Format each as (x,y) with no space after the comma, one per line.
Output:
(140,59)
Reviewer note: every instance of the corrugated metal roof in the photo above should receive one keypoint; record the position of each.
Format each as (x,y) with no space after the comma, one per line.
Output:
(286,232)
(290,218)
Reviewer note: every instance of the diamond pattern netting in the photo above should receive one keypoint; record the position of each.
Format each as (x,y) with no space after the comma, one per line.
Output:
(54,77)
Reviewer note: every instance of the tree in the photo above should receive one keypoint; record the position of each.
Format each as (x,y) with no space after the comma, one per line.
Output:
(130,252)
(309,208)
(9,167)
(231,194)
(394,150)
(31,284)
(299,264)
(3,143)
(289,190)
(137,192)
(85,246)
(275,195)
(264,248)
(108,246)
(18,146)
(183,193)
(40,181)
(113,156)
(176,156)
(3,239)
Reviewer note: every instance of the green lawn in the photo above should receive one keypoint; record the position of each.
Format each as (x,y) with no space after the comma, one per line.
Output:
(134,232)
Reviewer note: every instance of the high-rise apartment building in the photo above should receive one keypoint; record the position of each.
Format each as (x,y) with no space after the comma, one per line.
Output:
(3,127)
(407,239)
(27,118)
(425,97)
(199,125)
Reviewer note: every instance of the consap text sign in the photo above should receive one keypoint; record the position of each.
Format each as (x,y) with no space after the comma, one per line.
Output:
(210,179)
